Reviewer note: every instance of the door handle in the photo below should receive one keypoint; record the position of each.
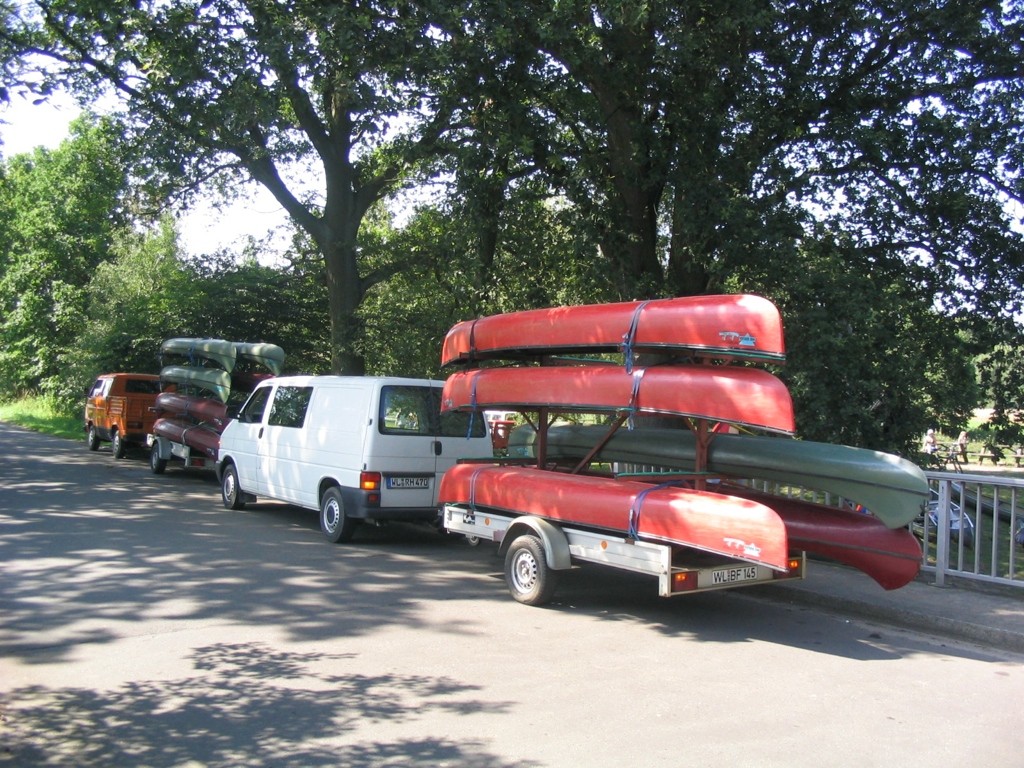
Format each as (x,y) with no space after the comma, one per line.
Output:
(260,435)
(437,447)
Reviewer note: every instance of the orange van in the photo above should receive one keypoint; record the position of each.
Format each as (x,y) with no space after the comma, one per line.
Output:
(118,408)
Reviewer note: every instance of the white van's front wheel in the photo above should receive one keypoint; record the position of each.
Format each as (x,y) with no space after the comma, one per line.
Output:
(336,525)
(230,493)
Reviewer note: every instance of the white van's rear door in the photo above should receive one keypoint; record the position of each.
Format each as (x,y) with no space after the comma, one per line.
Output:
(414,444)
(403,446)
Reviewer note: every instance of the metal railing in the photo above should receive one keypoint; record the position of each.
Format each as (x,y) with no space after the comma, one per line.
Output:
(973,528)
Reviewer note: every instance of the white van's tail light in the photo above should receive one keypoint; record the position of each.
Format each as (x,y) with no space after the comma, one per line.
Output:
(369,481)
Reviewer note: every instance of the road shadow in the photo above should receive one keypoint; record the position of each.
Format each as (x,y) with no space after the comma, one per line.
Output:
(247,705)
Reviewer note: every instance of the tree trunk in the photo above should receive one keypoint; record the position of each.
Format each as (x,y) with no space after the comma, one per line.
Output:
(345,289)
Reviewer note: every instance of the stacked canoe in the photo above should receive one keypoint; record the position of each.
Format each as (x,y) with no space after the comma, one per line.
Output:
(200,376)
(691,364)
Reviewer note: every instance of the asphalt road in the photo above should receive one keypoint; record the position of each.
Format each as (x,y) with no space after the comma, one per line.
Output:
(141,624)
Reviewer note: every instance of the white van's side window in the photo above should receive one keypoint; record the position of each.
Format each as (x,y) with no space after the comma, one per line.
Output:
(411,410)
(290,406)
(405,410)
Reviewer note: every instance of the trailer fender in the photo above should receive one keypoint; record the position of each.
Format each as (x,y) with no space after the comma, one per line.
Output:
(161,445)
(556,545)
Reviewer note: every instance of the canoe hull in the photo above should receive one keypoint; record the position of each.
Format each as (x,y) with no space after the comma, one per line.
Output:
(196,409)
(732,527)
(217,382)
(729,326)
(893,489)
(195,351)
(269,356)
(745,396)
(188,433)
(890,556)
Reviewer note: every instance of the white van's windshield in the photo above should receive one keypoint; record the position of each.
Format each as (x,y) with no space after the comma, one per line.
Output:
(416,410)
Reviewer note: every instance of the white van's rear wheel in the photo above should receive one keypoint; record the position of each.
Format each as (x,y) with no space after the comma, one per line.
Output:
(336,525)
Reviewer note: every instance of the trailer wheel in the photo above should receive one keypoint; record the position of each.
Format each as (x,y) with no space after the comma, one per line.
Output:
(117,444)
(93,438)
(527,574)
(230,493)
(335,524)
(156,464)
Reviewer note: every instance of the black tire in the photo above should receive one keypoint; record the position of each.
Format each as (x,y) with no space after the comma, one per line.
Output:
(527,574)
(335,524)
(92,439)
(117,444)
(156,464)
(230,492)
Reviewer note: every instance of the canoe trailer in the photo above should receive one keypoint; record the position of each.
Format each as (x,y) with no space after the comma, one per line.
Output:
(162,450)
(536,550)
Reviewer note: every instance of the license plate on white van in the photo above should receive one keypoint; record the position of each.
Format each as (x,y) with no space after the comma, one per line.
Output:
(408,482)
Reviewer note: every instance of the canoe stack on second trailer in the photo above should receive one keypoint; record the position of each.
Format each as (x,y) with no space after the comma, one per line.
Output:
(205,373)
(704,382)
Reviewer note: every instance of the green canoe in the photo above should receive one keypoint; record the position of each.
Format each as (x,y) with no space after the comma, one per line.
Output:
(270,356)
(192,350)
(210,380)
(892,489)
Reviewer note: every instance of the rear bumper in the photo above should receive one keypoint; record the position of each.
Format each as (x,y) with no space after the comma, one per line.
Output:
(360,505)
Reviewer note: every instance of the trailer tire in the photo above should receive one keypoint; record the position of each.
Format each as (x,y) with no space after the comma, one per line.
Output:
(527,574)
(230,493)
(156,464)
(335,524)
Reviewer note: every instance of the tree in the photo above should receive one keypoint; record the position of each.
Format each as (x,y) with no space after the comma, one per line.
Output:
(701,135)
(60,209)
(868,362)
(215,92)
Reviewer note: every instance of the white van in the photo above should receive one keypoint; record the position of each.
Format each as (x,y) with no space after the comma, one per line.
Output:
(354,447)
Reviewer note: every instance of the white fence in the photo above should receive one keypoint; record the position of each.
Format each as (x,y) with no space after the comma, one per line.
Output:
(974,528)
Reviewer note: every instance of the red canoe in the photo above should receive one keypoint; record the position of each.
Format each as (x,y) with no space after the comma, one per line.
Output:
(189,408)
(193,435)
(734,527)
(890,556)
(729,326)
(737,395)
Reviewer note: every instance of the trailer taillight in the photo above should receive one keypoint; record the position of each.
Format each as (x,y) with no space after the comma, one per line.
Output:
(369,481)
(794,567)
(684,581)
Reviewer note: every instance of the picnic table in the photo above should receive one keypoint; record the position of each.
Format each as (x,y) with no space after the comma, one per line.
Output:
(1004,453)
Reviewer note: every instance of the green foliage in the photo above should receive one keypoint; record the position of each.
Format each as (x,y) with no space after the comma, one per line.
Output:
(135,300)
(59,209)
(1001,376)
(244,300)
(856,161)
(44,414)
(868,363)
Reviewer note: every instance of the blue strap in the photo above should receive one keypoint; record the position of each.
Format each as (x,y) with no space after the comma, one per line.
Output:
(629,338)
(635,507)
(472,412)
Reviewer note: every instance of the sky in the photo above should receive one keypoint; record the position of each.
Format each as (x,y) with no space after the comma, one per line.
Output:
(204,230)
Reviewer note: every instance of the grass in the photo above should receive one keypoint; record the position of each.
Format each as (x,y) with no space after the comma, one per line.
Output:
(40,415)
